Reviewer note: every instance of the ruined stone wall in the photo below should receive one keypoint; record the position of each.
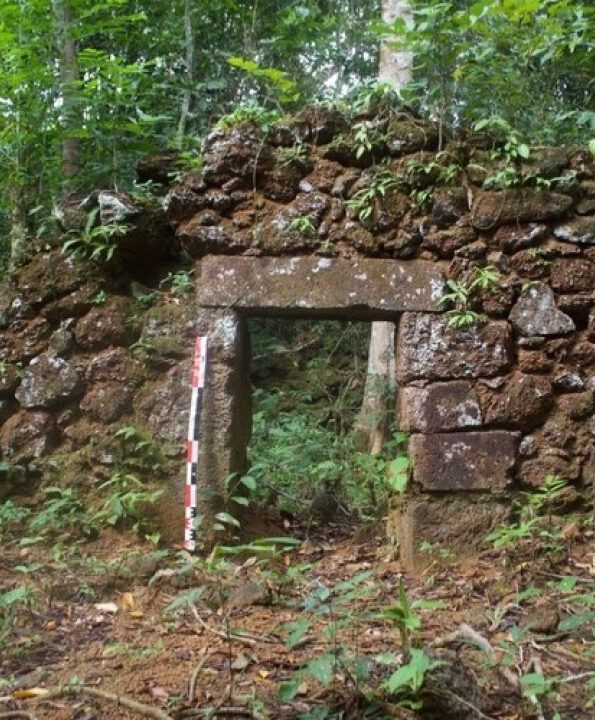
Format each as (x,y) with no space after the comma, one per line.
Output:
(492,407)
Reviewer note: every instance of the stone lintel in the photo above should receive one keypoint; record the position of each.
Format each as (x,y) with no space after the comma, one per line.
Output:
(310,286)
(463,461)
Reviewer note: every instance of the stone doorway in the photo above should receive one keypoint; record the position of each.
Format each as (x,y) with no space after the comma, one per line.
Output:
(233,289)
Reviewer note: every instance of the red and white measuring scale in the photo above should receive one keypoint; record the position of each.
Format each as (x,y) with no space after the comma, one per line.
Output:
(199,366)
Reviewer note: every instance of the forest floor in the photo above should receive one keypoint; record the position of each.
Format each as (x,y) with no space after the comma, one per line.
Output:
(296,634)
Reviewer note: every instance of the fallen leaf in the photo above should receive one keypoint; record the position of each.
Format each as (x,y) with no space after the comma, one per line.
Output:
(241,662)
(108,607)
(264,673)
(136,613)
(29,693)
(127,601)
(160,694)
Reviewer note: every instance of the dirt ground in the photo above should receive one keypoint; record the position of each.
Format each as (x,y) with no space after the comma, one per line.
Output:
(190,639)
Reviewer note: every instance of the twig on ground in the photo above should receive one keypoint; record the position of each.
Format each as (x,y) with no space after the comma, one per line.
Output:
(466,703)
(466,632)
(17,714)
(201,663)
(128,703)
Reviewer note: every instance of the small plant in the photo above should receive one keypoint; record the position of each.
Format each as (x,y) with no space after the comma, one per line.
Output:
(12,602)
(535,523)
(62,511)
(11,515)
(100,298)
(295,155)
(460,294)
(96,242)
(364,200)
(304,225)
(127,504)
(180,282)
(422,199)
(375,96)
(249,113)
(144,300)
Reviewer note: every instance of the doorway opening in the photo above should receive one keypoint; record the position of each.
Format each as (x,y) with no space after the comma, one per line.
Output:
(309,460)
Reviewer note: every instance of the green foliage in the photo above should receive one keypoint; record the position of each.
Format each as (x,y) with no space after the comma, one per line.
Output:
(128,503)
(11,516)
(62,511)
(363,202)
(535,526)
(303,224)
(461,295)
(96,242)
(295,155)
(251,113)
(488,58)
(180,282)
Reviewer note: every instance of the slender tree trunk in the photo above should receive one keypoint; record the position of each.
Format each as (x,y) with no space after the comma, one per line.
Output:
(394,66)
(18,223)
(71,146)
(187,99)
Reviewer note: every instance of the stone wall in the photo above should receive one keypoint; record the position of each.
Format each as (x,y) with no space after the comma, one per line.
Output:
(492,407)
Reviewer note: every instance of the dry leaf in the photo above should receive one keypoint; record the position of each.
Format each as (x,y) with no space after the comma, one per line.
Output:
(241,662)
(127,601)
(136,614)
(29,693)
(264,673)
(108,607)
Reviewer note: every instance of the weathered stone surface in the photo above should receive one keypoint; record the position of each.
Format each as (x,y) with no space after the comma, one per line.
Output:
(73,305)
(511,238)
(6,408)
(116,207)
(534,361)
(579,230)
(106,325)
(406,134)
(463,461)
(522,403)
(49,381)
(107,402)
(238,152)
(492,209)
(456,524)
(9,379)
(198,239)
(61,341)
(307,285)
(535,313)
(569,382)
(573,275)
(449,207)
(27,436)
(439,407)
(577,406)
(428,348)
(113,365)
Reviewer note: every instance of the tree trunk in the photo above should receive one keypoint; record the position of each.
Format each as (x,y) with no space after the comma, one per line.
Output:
(187,99)
(71,146)
(373,423)
(394,64)
(18,223)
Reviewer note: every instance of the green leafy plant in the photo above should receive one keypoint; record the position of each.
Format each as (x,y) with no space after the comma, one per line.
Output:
(180,282)
(97,242)
(294,155)
(303,224)
(62,511)
(460,295)
(422,199)
(128,503)
(251,113)
(383,180)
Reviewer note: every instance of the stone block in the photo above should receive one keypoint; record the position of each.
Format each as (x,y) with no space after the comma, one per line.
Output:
(456,524)
(48,381)
(505,207)
(573,275)
(463,461)
(439,407)
(522,403)
(536,313)
(317,286)
(428,348)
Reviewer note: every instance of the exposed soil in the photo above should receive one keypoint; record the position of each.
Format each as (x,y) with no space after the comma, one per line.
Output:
(100,619)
